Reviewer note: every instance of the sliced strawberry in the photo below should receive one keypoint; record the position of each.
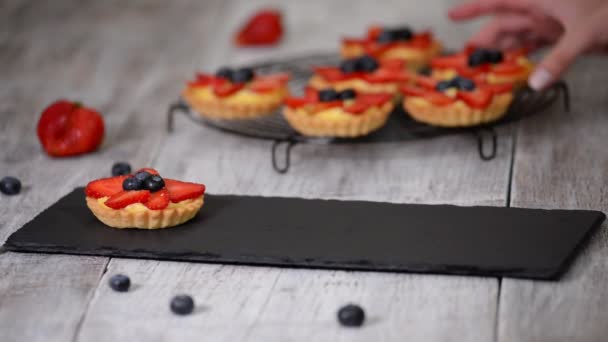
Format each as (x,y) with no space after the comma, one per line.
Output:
(385,75)
(507,68)
(449,62)
(408,90)
(374,99)
(426,82)
(320,106)
(438,99)
(227,89)
(373,32)
(296,102)
(357,107)
(149,170)
(179,191)
(421,40)
(392,64)
(263,84)
(263,28)
(158,200)
(478,98)
(499,88)
(124,198)
(330,73)
(311,94)
(104,187)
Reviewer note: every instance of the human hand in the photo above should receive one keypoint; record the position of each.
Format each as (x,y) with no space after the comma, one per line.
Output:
(574,27)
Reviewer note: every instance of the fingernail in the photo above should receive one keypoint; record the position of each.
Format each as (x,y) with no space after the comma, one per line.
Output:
(540,79)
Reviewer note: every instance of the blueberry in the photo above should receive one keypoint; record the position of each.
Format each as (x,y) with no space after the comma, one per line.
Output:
(347,94)
(403,33)
(349,66)
(444,85)
(132,183)
(225,72)
(242,75)
(142,176)
(494,56)
(479,56)
(327,95)
(10,185)
(120,283)
(351,315)
(463,83)
(154,183)
(368,64)
(182,304)
(386,36)
(121,168)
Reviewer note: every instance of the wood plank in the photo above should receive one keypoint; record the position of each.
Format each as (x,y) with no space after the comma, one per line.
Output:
(561,162)
(270,304)
(94,52)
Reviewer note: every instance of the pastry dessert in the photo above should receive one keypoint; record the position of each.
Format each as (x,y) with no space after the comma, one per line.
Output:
(486,65)
(363,74)
(236,94)
(143,200)
(416,49)
(329,113)
(458,102)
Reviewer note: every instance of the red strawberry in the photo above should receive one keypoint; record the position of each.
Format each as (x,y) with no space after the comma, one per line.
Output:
(263,84)
(264,28)
(296,102)
(330,73)
(124,198)
(104,187)
(67,129)
(179,191)
(449,62)
(374,99)
(158,200)
(499,88)
(478,98)
(320,106)
(392,64)
(311,94)
(357,108)
(374,31)
(227,88)
(412,91)
(421,40)
(426,82)
(149,170)
(438,99)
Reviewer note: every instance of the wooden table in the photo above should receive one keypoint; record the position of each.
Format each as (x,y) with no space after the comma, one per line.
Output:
(130,59)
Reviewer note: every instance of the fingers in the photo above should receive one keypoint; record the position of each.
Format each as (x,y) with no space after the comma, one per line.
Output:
(505,25)
(559,59)
(476,8)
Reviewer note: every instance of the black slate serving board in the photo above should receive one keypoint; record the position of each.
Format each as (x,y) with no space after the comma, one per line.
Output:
(357,235)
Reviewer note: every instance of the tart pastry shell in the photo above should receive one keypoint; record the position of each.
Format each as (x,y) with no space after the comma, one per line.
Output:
(218,109)
(145,218)
(358,125)
(457,114)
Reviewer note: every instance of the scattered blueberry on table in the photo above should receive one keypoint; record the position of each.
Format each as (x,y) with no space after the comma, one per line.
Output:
(120,283)
(351,315)
(182,304)
(121,168)
(10,185)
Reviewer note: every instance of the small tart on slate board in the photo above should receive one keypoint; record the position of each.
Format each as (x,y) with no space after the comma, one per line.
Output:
(459,102)
(236,93)
(414,48)
(144,200)
(363,74)
(329,113)
(486,65)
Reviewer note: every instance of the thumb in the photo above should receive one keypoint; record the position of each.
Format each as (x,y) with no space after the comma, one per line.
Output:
(563,54)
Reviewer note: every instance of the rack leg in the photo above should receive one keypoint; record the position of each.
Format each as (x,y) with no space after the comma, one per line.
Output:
(275,146)
(173,108)
(563,87)
(481,137)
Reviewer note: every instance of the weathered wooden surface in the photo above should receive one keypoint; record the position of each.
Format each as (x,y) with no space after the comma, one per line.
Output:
(130,59)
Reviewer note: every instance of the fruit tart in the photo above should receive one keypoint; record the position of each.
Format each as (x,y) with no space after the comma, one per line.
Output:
(364,74)
(236,94)
(457,102)
(488,65)
(415,48)
(143,200)
(331,113)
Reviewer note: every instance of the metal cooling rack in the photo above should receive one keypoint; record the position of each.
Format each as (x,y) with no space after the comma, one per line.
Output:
(398,128)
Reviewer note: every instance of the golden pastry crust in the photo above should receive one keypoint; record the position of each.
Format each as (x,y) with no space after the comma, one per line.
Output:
(415,57)
(215,108)
(457,114)
(145,218)
(319,83)
(353,126)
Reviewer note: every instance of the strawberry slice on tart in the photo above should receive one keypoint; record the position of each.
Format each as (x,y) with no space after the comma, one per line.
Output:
(143,200)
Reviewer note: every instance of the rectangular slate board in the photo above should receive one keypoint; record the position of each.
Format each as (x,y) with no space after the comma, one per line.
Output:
(356,235)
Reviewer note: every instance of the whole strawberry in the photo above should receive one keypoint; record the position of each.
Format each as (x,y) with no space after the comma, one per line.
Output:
(68,129)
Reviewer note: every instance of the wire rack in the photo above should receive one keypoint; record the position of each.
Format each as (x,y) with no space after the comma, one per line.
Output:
(399,127)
